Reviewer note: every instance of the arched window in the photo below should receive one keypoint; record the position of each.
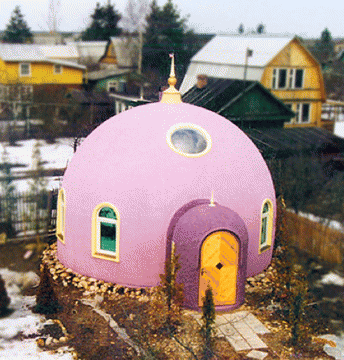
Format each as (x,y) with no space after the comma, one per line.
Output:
(105,232)
(266,226)
(61,215)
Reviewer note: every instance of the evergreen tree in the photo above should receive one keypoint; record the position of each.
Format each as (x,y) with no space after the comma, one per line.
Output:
(324,48)
(208,319)
(17,31)
(46,299)
(4,299)
(241,28)
(260,29)
(104,23)
(166,32)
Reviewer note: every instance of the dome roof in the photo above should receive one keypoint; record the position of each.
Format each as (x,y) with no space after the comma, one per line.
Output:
(148,162)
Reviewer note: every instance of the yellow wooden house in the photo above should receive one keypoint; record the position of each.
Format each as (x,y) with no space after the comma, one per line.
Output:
(28,66)
(281,64)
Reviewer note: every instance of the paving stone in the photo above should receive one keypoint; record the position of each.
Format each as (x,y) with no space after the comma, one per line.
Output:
(220,320)
(249,335)
(237,316)
(234,338)
(259,355)
(255,324)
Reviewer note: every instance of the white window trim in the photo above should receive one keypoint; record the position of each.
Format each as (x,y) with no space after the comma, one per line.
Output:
(290,79)
(58,72)
(298,118)
(20,69)
(112,84)
(107,221)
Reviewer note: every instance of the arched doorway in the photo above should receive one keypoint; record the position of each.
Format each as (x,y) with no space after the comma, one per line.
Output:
(219,259)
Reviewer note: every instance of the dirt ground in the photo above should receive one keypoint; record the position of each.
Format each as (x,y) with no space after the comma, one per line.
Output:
(92,338)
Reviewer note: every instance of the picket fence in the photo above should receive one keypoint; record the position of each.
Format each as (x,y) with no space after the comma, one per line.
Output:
(23,213)
(316,238)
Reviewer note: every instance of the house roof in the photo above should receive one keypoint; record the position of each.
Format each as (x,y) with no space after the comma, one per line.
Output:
(90,50)
(105,73)
(126,50)
(85,97)
(231,49)
(219,94)
(60,51)
(31,53)
(286,142)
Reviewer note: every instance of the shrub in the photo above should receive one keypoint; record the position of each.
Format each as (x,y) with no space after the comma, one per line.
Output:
(208,320)
(46,299)
(4,299)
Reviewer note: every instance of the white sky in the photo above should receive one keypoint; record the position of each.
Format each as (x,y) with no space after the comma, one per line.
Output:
(306,18)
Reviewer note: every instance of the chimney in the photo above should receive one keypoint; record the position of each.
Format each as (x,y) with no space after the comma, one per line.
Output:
(202,81)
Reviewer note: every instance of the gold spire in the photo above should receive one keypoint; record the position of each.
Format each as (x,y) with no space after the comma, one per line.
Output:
(171,95)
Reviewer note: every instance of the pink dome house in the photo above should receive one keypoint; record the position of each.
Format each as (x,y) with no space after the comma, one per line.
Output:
(144,180)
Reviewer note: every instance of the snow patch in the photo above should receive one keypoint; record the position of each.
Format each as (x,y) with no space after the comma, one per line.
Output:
(332,279)
(23,321)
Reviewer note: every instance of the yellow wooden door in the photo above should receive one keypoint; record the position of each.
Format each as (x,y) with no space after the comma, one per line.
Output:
(219,267)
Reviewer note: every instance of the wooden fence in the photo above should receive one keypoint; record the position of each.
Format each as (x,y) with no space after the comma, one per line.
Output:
(315,238)
(22,214)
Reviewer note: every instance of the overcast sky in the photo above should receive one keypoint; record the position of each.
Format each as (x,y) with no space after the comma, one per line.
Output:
(306,18)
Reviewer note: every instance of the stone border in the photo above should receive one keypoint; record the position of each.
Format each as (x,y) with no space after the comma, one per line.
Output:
(90,285)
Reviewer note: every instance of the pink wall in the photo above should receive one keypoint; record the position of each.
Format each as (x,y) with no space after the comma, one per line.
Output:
(126,161)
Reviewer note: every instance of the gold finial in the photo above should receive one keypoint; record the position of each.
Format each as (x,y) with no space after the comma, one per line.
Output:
(212,204)
(171,95)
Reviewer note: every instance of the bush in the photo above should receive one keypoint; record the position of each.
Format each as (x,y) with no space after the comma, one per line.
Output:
(46,299)
(4,299)
(208,319)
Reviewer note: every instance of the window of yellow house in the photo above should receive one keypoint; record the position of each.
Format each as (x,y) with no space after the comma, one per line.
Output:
(266,226)
(287,78)
(25,69)
(302,111)
(61,215)
(57,69)
(105,232)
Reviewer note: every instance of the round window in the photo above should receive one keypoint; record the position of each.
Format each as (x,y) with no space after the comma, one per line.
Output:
(189,140)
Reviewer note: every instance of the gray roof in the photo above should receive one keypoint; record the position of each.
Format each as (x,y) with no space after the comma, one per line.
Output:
(90,50)
(126,49)
(231,49)
(31,53)
(105,73)
(224,56)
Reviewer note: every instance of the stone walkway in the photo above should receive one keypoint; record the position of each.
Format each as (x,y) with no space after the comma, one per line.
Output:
(241,329)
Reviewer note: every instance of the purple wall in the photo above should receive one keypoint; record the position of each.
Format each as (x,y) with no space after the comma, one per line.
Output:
(190,230)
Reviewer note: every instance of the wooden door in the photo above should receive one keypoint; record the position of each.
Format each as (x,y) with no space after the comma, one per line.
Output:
(219,267)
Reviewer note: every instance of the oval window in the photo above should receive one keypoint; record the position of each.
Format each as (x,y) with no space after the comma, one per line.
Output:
(189,140)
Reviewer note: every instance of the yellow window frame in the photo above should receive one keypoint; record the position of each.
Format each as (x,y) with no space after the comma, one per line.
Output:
(97,252)
(269,216)
(61,215)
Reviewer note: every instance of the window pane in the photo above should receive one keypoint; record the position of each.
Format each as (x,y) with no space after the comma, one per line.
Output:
(107,212)
(189,141)
(299,79)
(264,230)
(265,208)
(305,113)
(282,79)
(25,69)
(107,236)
